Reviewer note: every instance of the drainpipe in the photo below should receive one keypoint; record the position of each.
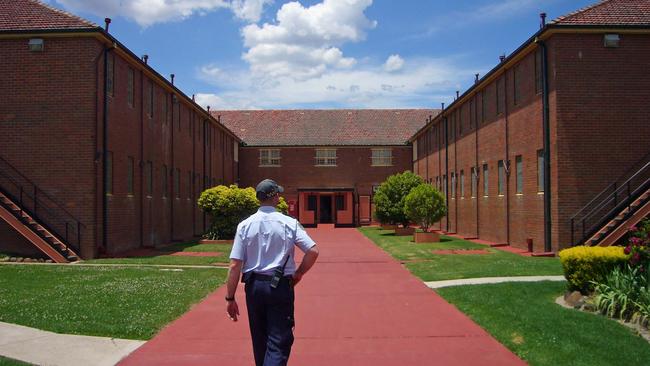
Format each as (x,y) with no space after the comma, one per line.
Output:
(446,121)
(172,196)
(547,147)
(506,162)
(142,193)
(107,50)
(476,169)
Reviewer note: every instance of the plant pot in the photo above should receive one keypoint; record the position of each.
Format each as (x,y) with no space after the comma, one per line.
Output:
(427,237)
(404,231)
(388,227)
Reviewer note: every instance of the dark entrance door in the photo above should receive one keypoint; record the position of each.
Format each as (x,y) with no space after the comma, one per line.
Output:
(325,214)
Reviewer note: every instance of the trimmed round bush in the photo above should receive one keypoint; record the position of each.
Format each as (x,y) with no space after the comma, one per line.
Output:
(583,266)
(425,205)
(227,206)
(390,196)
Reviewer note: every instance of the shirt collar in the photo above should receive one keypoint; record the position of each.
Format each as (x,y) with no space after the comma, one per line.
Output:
(267,209)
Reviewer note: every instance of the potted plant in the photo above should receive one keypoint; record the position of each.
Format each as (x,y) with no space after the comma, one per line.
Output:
(425,205)
(389,200)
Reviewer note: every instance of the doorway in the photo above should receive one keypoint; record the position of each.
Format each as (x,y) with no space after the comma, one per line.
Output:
(325,213)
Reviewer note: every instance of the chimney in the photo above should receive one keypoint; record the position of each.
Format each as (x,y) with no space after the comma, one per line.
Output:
(443,106)
(208,109)
(107,21)
(172,77)
(475,78)
(145,58)
(457,94)
(502,57)
(542,17)
(193,97)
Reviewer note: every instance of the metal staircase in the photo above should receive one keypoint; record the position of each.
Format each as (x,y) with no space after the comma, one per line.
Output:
(37,217)
(623,203)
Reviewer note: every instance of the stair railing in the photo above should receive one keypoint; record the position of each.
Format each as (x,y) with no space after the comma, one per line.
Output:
(610,202)
(40,206)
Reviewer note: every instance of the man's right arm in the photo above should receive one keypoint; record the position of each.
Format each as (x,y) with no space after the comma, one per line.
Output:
(307,262)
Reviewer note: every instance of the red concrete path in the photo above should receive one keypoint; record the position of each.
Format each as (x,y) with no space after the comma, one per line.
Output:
(357,306)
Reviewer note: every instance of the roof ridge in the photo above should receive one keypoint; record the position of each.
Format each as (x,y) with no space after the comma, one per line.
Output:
(63,12)
(579,11)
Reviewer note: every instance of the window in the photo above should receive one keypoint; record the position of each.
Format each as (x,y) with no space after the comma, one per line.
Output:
(540,171)
(340,202)
(148,178)
(269,157)
(472,110)
(166,108)
(502,178)
(177,183)
(190,184)
(538,71)
(516,78)
(164,181)
(109,172)
(382,157)
(474,182)
(519,166)
(129,87)
(444,184)
(485,180)
(311,202)
(453,186)
(129,176)
(483,106)
(110,74)
(151,102)
(438,183)
(460,122)
(325,157)
(462,184)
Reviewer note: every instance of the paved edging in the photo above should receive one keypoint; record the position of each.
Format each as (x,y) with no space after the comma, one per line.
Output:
(488,280)
(82,264)
(53,349)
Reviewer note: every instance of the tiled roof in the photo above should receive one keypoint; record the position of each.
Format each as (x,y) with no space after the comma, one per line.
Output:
(338,127)
(610,12)
(26,15)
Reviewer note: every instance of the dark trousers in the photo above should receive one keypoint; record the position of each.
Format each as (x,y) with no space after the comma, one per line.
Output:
(270,316)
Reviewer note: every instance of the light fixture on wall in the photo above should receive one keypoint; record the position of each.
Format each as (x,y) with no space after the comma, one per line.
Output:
(612,40)
(36,45)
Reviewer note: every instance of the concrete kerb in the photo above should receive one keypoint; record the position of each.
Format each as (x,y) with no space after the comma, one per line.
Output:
(491,280)
(136,265)
(53,349)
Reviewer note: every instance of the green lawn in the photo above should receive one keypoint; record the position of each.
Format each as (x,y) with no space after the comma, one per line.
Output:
(121,302)
(524,317)
(420,260)
(165,259)
(11,362)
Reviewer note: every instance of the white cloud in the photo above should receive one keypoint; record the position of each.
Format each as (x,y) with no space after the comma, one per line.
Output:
(149,12)
(304,42)
(393,63)
(422,83)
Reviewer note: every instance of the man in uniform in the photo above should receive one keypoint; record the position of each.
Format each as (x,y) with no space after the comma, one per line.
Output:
(263,250)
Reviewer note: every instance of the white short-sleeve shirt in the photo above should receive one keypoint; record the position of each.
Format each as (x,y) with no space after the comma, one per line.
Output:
(265,239)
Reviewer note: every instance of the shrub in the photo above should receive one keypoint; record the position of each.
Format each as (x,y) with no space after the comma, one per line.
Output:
(389,198)
(283,206)
(625,293)
(638,246)
(227,206)
(584,266)
(425,205)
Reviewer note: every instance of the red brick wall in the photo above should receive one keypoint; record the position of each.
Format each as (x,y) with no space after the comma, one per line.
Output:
(51,130)
(47,121)
(604,116)
(353,169)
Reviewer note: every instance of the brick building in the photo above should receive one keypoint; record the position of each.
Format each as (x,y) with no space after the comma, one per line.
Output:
(515,171)
(328,161)
(96,147)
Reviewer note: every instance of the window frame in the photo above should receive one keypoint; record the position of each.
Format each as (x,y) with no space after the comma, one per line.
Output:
(501,177)
(519,174)
(382,160)
(486,180)
(540,171)
(271,161)
(325,161)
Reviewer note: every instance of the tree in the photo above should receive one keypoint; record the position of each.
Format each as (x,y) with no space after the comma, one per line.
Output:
(425,205)
(227,206)
(389,198)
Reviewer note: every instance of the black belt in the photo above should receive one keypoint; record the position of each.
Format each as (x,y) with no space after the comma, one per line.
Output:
(262,277)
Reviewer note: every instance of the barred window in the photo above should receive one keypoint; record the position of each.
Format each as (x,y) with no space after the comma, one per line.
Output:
(130,93)
(325,157)
(462,184)
(382,157)
(540,171)
(502,178)
(269,157)
(485,180)
(520,174)
(474,187)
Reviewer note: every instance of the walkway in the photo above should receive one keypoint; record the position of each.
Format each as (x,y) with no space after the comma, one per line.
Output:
(40,347)
(488,280)
(357,306)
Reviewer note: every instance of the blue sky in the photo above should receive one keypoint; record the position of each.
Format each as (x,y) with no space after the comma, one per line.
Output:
(275,54)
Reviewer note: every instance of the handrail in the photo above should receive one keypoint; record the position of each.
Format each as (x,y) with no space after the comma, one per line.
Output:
(606,208)
(42,207)
(634,168)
